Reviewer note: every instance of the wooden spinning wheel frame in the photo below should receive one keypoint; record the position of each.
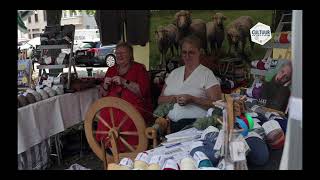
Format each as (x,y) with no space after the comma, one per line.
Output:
(114,133)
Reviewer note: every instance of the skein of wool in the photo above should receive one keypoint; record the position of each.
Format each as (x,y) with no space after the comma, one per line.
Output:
(259,153)
(202,160)
(44,94)
(188,163)
(126,163)
(114,166)
(22,100)
(31,99)
(273,134)
(171,164)
(141,161)
(207,148)
(156,162)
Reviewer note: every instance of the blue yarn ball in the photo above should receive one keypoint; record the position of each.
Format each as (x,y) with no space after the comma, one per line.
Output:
(259,152)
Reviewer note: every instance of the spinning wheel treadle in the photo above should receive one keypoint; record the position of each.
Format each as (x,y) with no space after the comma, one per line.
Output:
(114,134)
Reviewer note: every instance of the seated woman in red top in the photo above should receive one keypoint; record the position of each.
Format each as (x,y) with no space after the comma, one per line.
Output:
(128,80)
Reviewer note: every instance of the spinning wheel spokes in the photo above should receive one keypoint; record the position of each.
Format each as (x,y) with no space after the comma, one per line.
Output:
(111,117)
(122,121)
(130,133)
(114,133)
(127,144)
(103,121)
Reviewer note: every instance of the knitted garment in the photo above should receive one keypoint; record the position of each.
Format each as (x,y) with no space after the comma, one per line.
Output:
(203,123)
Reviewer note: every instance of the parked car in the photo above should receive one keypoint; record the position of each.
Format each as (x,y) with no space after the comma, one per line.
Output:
(107,55)
(86,53)
(91,53)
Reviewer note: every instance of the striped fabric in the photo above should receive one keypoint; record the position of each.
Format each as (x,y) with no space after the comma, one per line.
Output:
(35,158)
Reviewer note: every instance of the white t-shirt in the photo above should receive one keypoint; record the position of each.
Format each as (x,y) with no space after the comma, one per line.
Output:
(199,80)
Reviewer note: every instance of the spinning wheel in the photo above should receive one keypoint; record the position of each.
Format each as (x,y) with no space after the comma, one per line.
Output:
(114,134)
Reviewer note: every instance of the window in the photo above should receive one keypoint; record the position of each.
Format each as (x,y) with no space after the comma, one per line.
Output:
(44,15)
(36,18)
(64,13)
(29,19)
(73,13)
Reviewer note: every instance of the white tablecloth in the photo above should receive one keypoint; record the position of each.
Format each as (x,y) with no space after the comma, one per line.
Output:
(39,121)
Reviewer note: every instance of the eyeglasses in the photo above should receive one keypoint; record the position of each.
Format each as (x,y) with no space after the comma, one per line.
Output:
(189,53)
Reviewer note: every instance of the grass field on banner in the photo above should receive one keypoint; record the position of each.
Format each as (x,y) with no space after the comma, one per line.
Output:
(164,17)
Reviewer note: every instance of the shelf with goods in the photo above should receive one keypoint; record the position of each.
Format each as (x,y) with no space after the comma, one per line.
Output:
(70,63)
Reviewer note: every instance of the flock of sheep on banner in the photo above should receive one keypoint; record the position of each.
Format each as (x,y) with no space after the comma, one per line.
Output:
(211,33)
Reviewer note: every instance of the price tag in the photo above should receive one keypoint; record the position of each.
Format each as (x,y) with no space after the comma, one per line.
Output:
(171,164)
(242,139)
(219,141)
(255,107)
(126,162)
(270,126)
(157,159)
(199,156)
(237,149)
(142,157)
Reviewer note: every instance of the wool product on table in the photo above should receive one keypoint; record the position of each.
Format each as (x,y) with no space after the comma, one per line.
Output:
(156,162)
(188,163)
(171,164)
(259,153)
(207,149)
(273,134)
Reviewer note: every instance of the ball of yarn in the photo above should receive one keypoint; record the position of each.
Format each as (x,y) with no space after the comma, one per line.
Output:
(140,164)
(31,99)
(44,94)
(259,153)
(114,166)
(156,162)
(36,95)
(188,163)
(279,143)
(242,125)
(276,139)
(208,150)
(154,167)
(273,134)
(23,100)
(256,92)
(171,164)
(202,159)
(126,163)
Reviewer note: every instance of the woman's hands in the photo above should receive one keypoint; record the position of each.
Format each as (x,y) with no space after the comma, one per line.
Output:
(184,99)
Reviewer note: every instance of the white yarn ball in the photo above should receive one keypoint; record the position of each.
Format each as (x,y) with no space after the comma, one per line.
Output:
(188,163)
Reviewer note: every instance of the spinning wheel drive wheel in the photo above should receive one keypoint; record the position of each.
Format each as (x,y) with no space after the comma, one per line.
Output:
(114,134)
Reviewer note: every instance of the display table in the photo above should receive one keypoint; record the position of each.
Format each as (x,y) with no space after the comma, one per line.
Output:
(41,120)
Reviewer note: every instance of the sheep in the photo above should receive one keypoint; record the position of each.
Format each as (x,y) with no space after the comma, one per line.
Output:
(238,31)
(215,32)
(187,26)
(166,39)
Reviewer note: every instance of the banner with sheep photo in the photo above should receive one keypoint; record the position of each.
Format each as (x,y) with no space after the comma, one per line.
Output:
(224,34)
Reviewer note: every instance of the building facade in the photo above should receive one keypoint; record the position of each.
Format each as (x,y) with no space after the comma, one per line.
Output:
(37,22)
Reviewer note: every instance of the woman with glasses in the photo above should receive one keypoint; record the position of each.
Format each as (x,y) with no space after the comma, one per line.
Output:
(192,88)
(128,80)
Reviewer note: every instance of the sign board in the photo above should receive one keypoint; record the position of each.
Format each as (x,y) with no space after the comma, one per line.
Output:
(24,73)
(260,33)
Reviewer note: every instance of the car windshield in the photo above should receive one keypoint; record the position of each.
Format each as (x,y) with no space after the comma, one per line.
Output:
(87,45)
